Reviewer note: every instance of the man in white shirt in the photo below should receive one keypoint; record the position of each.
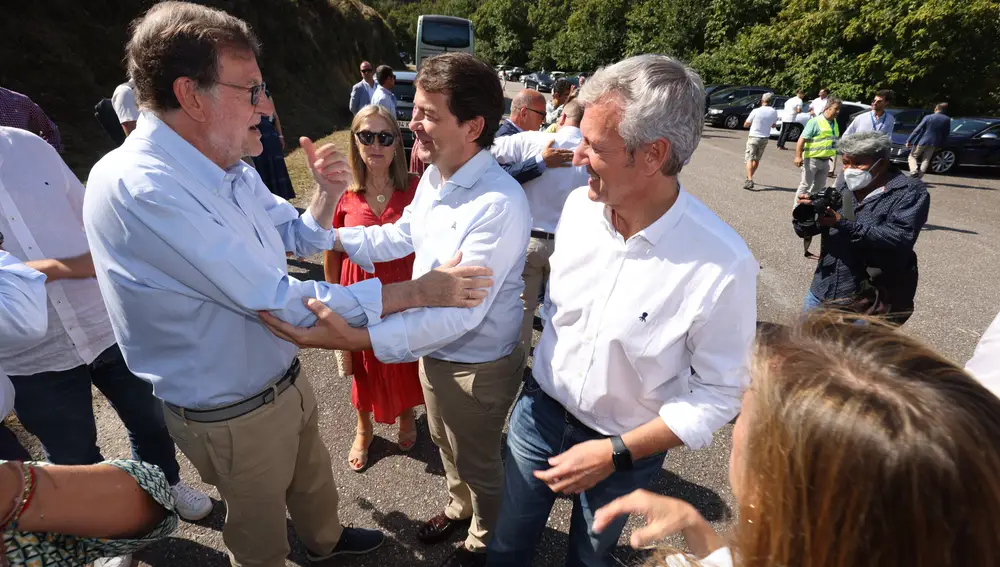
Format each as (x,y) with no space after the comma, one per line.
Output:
(793,107)
(760,122)
(362,91)
(546,197)
(818,105)
(23,321)
(471,360)
(650,315)
(125,106)
(383,92)
(985,362)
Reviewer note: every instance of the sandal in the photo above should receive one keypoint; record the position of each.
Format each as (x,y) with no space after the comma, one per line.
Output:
(357,459)
(407,439)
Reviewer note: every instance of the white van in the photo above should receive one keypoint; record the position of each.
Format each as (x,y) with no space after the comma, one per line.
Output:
(443,34)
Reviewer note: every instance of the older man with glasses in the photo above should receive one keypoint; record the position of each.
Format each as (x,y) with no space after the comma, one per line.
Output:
(363,91)
(189,245)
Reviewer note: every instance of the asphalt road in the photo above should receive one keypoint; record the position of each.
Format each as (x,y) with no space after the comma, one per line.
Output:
(956,301)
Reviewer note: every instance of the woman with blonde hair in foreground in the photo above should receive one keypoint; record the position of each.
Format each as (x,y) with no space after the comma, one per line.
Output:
(380,191)
(857,447)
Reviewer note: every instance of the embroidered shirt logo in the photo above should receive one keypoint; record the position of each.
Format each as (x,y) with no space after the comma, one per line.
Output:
(643,316)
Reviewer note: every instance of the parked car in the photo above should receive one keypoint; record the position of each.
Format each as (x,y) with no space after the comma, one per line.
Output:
(404,91)
(973,141)
(541,82)
(730,94)
(734,114)
(513,73)
(847,112)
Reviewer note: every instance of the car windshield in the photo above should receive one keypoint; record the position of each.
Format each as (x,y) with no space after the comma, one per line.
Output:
(749,99)
(404,91)
(454,35)
(967,125)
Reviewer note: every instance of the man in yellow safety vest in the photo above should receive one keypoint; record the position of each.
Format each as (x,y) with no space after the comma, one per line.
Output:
(816,148)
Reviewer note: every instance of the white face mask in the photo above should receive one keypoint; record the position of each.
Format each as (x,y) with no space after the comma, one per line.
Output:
(858,179)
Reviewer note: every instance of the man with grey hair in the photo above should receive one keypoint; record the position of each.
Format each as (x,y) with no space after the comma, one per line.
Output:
(867,263)
(760,122)
(649,317)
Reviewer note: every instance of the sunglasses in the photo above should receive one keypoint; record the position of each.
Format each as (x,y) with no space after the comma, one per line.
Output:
(367,138)
(255,91)
(366,71)
(538,112)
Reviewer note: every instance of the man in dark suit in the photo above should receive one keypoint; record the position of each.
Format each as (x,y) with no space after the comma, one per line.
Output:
(527,113)
(361,93)
(928,137)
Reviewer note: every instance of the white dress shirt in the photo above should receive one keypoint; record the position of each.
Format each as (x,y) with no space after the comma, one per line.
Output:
(818,105)
(658,325)
(123,100)
(547,193)
(384,97)
(41,216)
(23,316)
(481,211)
(721,557)
(985,362)
(792,108)
(187,253)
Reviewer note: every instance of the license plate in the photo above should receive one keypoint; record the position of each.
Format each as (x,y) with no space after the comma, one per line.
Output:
(403,124)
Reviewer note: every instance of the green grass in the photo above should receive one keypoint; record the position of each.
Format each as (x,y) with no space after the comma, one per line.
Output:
(298,170)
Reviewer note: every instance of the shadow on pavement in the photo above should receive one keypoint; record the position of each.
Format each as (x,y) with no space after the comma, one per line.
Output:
(948,229)
(313,270)
(174,551)
(706,500)
(933,184)
(766,188)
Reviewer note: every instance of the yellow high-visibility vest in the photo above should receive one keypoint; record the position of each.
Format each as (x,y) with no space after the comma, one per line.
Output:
(823,145)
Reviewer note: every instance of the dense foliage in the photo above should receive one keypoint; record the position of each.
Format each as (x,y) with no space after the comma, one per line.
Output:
(925,50)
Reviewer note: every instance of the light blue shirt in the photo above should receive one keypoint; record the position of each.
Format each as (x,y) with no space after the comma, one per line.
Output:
(384,97)
(481,211)
(186,253)
(868,122)
(23,314)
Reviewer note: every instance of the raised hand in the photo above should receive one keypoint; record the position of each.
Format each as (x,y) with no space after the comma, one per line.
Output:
(328,166)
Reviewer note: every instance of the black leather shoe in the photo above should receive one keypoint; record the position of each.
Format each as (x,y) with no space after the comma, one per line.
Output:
(462,557)
(439,528)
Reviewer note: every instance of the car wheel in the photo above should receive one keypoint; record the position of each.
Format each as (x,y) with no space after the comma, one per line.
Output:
(732,122)
(944,161)
(794,131)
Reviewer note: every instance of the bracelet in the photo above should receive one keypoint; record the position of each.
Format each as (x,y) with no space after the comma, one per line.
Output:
(15,504)
(28,478)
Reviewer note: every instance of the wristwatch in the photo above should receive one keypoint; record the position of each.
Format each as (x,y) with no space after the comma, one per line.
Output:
(622,457)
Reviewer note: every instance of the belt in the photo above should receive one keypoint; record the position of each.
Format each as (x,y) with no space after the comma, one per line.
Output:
(542,234)
(232,411)
(572,419)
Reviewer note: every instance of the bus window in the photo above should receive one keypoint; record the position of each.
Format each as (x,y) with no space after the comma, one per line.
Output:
(453,35)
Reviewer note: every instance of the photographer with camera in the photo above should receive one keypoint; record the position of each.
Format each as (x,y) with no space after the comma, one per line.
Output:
(867,263)
(814,151)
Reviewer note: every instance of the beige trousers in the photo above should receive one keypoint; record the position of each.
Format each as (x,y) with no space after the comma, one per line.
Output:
(536,269)
(262,463)
(467,406)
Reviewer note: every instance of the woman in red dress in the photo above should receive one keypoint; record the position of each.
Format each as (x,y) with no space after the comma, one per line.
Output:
(380,192)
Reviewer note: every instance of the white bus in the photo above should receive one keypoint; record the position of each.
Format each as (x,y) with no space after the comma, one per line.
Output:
(443,34)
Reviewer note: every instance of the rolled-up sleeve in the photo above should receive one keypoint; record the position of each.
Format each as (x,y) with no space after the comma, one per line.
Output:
(720,343)
(23,312)
(497,240)
(369,245)
(210,262)
(301,235)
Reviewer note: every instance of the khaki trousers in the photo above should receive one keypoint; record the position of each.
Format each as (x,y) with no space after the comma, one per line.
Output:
(262,463)
(536,269)
(467,406)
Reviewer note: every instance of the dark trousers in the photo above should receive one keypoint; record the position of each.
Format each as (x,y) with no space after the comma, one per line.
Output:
(10,448)
(786,127)
(58,408)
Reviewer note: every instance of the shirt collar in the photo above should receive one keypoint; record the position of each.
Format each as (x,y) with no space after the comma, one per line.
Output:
(516,127)
(157,132)
(569,133)
(661,226)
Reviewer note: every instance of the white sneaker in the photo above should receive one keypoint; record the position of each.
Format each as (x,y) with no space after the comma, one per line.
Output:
(120,561)
(191,504)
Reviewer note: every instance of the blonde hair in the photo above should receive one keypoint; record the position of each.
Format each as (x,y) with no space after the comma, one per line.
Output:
(866,448)
(359,169)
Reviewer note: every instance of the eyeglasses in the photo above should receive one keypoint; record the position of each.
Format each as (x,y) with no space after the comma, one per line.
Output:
(538,112)
(366,71)
(255,91)
(367,138)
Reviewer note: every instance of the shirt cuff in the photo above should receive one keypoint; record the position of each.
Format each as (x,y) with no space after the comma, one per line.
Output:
(687,422)
(353,241)
(369,296)
(316,235)
(11,264)
(541,163)
(389,340)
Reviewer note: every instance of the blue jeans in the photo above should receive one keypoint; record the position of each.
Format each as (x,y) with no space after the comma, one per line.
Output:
(811,302)
(58,408)
(539,430)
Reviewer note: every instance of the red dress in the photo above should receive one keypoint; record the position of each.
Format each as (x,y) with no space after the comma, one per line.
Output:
(383,389)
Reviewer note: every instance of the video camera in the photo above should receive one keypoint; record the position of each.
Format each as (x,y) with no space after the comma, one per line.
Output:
(805,216)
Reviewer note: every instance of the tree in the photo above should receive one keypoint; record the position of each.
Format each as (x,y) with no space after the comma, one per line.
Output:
(548,18)
(675,28)
(502,36)
(594,34)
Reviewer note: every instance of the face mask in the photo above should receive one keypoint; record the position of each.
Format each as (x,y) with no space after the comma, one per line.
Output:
(858,179)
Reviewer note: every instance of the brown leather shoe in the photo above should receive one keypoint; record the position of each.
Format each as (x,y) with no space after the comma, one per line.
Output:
(439,528)
(462,557)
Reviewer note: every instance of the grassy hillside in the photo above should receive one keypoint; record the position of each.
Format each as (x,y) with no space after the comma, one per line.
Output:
(67,55)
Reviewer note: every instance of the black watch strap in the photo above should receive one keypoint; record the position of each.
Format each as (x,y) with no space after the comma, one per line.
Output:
(622,457)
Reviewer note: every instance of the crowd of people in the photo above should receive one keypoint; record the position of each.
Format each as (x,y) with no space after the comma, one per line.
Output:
(165,285)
